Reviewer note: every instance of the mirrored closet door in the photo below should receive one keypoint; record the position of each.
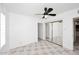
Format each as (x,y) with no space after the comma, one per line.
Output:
(57,32)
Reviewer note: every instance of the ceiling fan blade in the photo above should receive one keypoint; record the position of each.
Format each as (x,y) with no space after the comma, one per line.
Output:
(52,14)
(49,10)
(45,9)
(43,17)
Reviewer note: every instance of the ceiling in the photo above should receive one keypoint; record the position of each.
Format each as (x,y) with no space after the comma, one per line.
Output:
(37,8)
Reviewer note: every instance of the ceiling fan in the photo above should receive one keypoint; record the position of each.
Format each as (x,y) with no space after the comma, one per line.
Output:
(47,12)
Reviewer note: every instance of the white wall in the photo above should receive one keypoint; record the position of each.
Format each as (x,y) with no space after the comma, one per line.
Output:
(68,34)
(22,30)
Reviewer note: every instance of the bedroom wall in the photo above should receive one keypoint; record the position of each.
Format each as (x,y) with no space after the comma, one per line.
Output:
(22,30)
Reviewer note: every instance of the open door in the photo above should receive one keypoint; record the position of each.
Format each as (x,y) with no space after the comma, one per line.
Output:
(76,33)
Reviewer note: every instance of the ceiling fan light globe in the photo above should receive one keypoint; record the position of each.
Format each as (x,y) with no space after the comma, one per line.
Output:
(46,16)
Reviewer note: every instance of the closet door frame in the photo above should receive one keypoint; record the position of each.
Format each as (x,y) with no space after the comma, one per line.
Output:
(52,31)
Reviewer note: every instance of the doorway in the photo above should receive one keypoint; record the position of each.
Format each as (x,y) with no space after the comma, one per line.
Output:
(40,31)
(76,33)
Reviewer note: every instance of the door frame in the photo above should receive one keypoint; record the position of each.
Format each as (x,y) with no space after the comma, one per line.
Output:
(74,28)
(52,31)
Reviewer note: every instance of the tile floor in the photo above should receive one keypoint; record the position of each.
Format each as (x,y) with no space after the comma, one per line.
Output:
(41,48)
